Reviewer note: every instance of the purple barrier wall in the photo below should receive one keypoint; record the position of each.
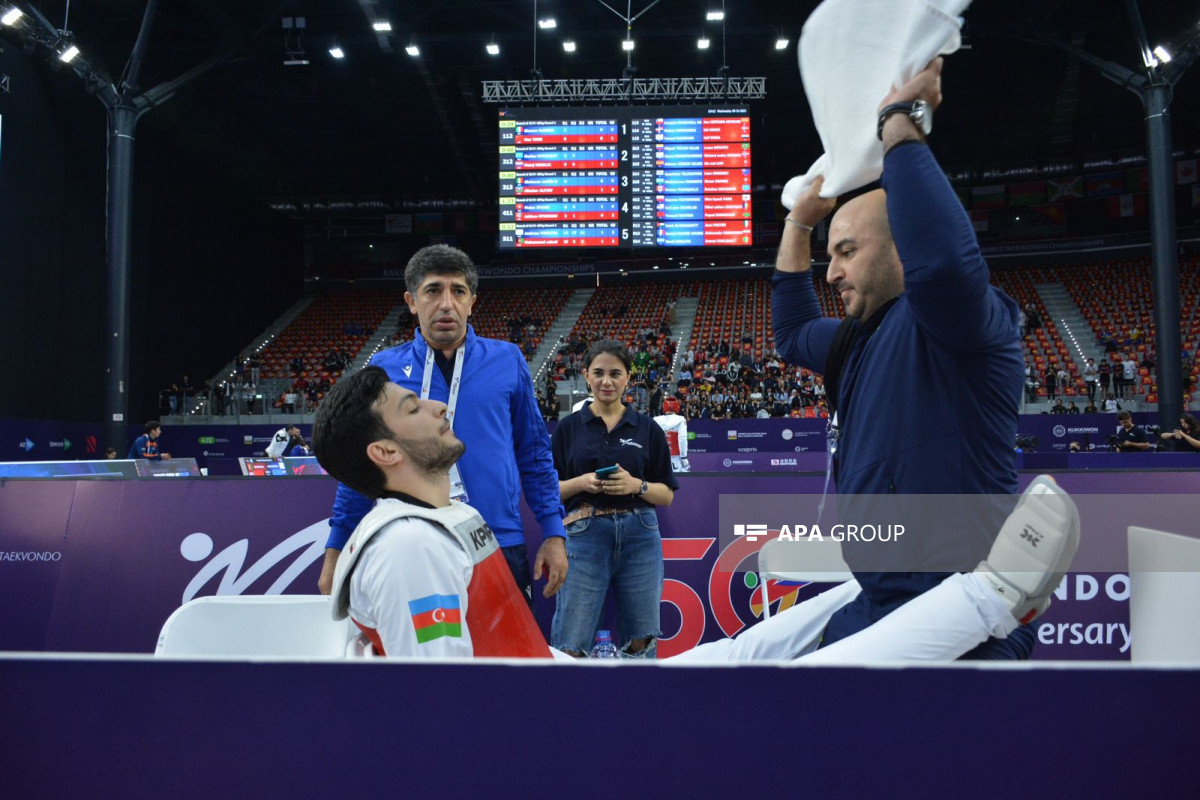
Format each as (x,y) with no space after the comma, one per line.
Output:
(183,729)
(100,565)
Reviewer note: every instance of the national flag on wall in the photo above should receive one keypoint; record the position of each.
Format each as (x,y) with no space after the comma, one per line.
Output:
(1027,193)
(427,224)
(1127,205)
(436,616)
(1064,188)
(1052,212)
(1104,184)
(980,219)
(1137,180)
(988,196)
(1185,171)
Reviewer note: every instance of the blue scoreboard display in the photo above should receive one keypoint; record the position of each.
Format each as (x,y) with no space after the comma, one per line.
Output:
(625,177)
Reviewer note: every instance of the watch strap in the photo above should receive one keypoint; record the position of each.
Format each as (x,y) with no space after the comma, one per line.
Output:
(916,110)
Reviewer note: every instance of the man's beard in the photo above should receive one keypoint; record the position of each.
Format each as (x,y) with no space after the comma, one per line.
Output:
(433,457)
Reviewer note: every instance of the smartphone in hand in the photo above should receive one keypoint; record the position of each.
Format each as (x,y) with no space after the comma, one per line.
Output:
(604,473)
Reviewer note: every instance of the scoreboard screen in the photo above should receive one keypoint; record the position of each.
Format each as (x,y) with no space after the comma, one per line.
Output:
(625,177)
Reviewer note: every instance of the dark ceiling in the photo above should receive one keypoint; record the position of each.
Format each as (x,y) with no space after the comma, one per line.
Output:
(381,124)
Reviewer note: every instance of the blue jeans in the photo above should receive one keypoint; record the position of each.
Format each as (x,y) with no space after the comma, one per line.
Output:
(622,550)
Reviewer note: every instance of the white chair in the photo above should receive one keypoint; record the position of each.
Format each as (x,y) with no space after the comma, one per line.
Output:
(802,560)
(286,626)
(1164,593)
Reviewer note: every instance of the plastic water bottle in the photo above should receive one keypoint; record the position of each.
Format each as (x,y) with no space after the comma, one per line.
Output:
(604,646)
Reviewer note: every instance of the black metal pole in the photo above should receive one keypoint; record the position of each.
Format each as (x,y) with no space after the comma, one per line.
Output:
(122,122)
(1164,256)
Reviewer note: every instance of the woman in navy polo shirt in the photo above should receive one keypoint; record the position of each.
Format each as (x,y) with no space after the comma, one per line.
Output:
(612,530)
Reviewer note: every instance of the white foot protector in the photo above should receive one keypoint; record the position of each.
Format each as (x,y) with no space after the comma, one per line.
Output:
(1033,549)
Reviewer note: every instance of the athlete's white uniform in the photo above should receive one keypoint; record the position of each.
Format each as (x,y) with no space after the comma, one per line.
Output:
(432,583)
(279,443)
(675,427)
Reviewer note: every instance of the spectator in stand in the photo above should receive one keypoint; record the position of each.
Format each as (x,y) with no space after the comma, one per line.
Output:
(1050,380)
(1058,407)
(110,453)
(1104,372)
(146,445)
(1129,374)
(1130,437)
(1150,357)
(1031,388)
(289,402)
(1091,378)
(1111,406)
(1072,408)
(1091,408)
(1185,438)
(1064,378)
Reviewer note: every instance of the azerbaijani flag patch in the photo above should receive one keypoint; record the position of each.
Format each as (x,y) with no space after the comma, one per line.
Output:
(436,616)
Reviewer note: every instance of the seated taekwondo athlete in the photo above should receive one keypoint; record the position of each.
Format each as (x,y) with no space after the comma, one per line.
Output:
(421,575)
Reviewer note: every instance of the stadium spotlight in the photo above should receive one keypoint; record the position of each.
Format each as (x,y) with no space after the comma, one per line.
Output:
(702,43)
(12,16)
(569,46)
(493,49)
(627,44)
(67,55)
(548,23)
(716,15)
(412,49)
(1162,54)
(781,43)
(337,52)
(382,26)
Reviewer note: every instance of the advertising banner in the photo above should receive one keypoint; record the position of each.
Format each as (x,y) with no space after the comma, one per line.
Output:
(100,565)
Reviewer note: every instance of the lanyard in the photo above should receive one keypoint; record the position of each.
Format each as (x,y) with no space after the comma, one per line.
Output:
(458,490)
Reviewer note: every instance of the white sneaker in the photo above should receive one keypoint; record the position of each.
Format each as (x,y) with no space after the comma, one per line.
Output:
(1033,549)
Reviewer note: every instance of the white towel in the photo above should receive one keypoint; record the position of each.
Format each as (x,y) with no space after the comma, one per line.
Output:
(852,52)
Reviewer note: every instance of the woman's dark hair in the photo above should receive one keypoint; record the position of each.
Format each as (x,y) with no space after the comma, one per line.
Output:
(347,422)
(613,348)
(1190,424)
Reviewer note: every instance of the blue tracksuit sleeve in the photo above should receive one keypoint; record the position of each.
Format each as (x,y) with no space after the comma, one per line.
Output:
(531,444)
(349,507)
(945,276)
(802,334)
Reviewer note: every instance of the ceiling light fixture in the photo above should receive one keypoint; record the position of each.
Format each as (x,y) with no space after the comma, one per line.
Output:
(337,52)
(549,23)
(382,26)
(413,50)
(1163,55)
(68,55)
(715,15)
(702,43)
(493,49)
(781,43)
(627,44)
(569,46)
(11,16)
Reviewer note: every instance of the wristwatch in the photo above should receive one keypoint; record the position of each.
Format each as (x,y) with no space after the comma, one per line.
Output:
(917,110)
(645,487)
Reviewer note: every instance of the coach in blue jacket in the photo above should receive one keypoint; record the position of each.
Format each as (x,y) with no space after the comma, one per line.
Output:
(486,387)
(931,380)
